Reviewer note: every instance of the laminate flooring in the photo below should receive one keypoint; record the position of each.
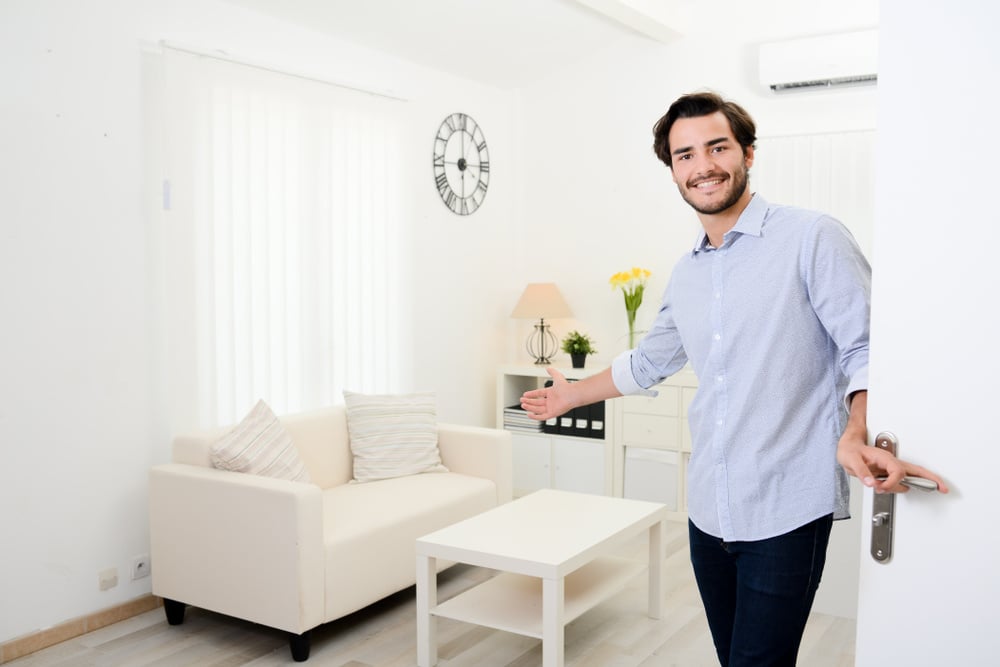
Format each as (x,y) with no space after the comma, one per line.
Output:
(616,633)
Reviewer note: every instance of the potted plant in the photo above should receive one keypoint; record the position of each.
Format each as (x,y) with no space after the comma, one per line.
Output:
(578,346)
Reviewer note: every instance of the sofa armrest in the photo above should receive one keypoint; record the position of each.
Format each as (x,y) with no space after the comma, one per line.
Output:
(242,545)
(480,452)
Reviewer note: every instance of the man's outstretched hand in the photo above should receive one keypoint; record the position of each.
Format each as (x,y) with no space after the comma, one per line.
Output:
(549,402)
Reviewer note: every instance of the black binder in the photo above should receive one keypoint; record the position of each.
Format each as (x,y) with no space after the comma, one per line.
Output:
(586,421)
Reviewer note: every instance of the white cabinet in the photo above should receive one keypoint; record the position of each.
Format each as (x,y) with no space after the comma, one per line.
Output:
(544,460)
(652,444)
(553,462)
(532,468)
(579,464)
(643,453)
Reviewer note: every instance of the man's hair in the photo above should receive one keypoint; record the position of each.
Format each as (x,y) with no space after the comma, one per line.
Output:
(695,105)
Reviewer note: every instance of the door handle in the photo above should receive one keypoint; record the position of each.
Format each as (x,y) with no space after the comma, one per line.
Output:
(883,507)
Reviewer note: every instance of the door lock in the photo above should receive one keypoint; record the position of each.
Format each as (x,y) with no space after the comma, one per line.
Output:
(883,507)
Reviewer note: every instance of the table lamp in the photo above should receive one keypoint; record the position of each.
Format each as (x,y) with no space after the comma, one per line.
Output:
(541,300)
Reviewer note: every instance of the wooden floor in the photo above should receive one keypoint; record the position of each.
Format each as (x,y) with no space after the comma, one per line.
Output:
(616,633)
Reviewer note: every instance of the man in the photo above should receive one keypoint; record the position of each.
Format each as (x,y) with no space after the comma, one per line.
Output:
(771,308)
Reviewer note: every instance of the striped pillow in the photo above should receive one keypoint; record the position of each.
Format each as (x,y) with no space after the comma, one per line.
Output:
(392,435)
(259,445)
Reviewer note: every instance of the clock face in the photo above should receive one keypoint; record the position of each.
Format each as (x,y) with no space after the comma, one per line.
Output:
(461,164)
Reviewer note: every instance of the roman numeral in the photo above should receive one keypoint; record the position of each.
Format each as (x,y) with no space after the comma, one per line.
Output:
(442,183)
(455,122)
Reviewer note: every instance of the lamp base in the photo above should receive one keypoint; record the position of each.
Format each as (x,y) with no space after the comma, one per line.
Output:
(542,343)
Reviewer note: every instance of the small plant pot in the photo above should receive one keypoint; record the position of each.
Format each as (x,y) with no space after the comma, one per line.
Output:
(578,359)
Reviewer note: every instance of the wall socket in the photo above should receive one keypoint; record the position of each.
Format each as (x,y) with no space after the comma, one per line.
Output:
(107,578)
(140,567)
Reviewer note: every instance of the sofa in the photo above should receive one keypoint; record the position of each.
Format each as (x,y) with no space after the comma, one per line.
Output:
(293,555)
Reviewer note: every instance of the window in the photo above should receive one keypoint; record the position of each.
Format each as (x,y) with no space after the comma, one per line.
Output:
(283,210)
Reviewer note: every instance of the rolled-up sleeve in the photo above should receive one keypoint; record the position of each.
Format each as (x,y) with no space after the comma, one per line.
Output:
(658,355)
(621,373)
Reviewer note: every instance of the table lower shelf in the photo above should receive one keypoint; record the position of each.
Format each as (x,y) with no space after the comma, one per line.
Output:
(513,602)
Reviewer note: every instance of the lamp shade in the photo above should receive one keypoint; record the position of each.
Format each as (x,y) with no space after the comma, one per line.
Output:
(539,301)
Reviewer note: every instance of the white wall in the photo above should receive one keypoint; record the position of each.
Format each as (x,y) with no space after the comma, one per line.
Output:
(575,195)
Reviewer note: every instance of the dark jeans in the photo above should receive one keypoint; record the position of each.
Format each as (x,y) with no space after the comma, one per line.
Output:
(757,595)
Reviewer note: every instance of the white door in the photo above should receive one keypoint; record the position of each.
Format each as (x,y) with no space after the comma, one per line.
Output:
(935,374)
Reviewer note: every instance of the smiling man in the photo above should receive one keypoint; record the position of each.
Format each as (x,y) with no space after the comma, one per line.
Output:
(771,308)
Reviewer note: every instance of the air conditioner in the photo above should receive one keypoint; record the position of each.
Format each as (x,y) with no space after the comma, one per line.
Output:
(845,59)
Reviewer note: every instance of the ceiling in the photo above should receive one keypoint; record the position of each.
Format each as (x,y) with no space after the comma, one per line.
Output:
(509,43)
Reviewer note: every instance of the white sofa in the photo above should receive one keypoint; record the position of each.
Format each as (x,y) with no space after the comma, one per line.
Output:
(294,555)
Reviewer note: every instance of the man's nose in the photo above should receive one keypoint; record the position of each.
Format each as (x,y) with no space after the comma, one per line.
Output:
(704,164)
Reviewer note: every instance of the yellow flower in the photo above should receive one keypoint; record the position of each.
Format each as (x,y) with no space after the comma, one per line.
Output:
(632,284)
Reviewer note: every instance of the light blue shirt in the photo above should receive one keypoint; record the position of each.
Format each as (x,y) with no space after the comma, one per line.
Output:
(775,325)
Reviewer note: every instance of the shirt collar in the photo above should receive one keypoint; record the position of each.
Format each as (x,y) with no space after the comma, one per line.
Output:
(751,221)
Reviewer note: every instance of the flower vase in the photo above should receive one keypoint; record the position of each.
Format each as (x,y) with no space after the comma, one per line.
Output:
(631,329)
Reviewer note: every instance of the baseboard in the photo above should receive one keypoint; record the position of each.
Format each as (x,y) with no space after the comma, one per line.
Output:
(36,641)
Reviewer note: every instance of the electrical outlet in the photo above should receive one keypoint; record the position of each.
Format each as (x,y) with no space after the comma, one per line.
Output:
(140,567)
(107,578)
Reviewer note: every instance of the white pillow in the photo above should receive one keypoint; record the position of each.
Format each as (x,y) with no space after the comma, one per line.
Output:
(259,445)
(392,435)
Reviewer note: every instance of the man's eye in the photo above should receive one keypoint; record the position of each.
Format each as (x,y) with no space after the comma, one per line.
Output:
(718,149)
(684,157)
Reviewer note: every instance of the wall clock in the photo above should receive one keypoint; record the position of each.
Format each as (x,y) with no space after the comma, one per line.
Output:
(461,164)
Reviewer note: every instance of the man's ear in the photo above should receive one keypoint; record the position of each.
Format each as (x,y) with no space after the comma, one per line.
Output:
(748,156)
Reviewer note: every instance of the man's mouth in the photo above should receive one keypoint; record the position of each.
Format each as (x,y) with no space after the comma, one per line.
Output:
(708,183)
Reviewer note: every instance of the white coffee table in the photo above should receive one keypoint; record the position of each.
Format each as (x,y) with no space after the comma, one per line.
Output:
(552,548)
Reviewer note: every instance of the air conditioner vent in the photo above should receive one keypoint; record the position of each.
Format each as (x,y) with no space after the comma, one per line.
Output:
(827,61)
(862,80)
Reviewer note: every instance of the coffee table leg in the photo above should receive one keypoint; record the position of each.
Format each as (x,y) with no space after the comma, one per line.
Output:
(426,600)
(655,569)
(553,630)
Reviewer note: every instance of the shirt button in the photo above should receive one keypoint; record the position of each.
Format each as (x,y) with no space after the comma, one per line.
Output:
(717,337)
(718,295)
(719,378)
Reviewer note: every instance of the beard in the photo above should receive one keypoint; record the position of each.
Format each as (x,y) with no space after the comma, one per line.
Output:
(737,186)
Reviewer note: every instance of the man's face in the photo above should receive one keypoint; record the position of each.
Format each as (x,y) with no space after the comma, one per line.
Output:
(708,164)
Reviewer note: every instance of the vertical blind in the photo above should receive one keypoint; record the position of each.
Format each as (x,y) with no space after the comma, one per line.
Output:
(830,172)
(287,205)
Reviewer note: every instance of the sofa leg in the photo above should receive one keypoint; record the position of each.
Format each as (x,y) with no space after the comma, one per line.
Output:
(174,611)
(299,644)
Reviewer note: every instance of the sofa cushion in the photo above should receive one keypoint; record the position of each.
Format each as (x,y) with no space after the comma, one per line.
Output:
(259,445)
(320,436)
(392,435)
(370,531)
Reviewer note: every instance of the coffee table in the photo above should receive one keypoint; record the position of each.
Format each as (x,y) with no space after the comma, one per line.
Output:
(553,549)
